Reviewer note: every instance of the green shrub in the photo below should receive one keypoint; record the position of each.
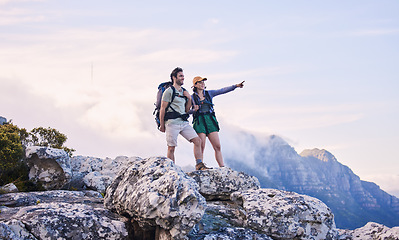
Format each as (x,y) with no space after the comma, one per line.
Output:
(11,152)
(13,141)
(48,137)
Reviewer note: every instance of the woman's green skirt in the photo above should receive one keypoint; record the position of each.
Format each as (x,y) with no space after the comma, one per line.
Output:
(206,123)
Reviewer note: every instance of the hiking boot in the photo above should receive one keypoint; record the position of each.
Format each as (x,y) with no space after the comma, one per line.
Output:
(201,166)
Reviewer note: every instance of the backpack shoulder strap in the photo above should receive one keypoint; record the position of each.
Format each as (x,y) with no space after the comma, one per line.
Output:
(173,94)
(171,100)
(208,97)
(196,99)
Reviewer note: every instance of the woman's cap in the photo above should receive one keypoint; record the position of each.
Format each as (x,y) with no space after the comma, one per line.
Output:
(198,79)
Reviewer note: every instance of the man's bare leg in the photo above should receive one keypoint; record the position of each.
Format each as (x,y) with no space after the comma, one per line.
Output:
(171,153)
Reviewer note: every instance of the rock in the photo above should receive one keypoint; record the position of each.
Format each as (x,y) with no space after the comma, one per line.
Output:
(97,181)
(371,231)
(81,166)
(59,215)
(2,120)
(236,233)
(23,199)
(218,215)
(14,229)
(96,173)
(68,221)
(9,188)
(155,199)
(286,215)
(154,192)
(219,183)
(86,164)
(49,166)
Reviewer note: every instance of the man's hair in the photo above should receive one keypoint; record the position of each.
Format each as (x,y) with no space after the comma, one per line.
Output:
(175,72)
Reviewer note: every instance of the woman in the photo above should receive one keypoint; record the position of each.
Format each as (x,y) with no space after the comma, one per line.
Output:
(205,123)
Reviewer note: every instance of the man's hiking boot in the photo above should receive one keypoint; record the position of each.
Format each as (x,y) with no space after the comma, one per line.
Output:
(201,166)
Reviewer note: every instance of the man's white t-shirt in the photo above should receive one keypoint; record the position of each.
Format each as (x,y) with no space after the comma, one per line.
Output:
(178,104)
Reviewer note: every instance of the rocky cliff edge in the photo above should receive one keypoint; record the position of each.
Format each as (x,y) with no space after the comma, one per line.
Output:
(154,199)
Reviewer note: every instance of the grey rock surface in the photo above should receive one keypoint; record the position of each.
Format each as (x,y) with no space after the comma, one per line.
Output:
(96,173)
(219,183)
(156,192)
(59,215)
(9,188)
(371,231)
(49,166)
(286,215)
(2,120)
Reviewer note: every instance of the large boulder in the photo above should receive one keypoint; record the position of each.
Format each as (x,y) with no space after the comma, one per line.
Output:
(286,215)
(96,173)
(155,193)
(278,214)
(49,166)
(219,183)
(59,215)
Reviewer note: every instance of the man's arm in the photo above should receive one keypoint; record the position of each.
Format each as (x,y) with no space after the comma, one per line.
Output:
(188,102)
(162,111)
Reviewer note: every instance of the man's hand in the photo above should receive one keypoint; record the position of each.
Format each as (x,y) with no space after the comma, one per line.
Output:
(195,108)
(162,128)
(162,111)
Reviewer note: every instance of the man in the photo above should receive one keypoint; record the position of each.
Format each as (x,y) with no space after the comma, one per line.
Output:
(173,119)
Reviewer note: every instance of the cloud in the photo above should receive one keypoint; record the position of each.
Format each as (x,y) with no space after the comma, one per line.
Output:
(286,117)
(256,73)
(96,84)
(117,55)
(214,20)
(4,2)
(188,56)
(387,182)
(15,15)
(99,130)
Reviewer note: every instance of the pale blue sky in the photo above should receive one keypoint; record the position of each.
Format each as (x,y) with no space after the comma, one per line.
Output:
(318,73)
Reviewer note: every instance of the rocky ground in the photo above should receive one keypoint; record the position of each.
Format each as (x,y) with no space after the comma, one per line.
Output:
(154,199)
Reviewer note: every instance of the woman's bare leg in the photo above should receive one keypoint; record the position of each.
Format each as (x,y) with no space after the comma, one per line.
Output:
(203,140)
(214,139)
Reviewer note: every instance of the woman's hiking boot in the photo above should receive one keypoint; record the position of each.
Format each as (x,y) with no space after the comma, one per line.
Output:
(201,166)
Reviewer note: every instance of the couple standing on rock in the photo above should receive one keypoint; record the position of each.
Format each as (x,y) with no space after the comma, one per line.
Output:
(174,112)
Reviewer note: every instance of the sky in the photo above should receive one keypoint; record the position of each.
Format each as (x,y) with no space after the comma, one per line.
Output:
(319,74)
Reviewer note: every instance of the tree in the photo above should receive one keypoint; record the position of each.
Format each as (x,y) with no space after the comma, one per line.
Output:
(10,145)
(11,152)
(48,137)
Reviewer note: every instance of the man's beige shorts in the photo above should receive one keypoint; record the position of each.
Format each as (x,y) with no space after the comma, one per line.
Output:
(172,130)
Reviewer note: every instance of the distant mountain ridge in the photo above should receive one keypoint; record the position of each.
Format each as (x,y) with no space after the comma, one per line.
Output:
(317,173)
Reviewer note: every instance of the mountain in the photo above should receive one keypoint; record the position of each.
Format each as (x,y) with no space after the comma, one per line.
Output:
(317,173)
